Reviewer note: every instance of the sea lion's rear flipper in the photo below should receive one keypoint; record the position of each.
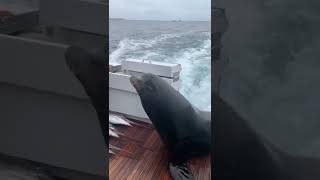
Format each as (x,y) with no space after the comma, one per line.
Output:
(182,152)
(178,167)
(180,171)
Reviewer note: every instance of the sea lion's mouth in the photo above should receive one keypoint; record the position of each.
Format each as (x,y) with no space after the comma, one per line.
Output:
(136,82)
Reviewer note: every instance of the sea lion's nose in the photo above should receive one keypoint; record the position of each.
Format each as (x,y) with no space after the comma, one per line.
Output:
(136,81)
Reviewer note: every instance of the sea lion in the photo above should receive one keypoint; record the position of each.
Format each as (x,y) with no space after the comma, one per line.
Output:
(184,130)
(241,153)
(90,68)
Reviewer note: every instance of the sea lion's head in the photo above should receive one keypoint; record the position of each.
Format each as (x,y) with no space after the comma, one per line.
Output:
(148,84)
(151,88)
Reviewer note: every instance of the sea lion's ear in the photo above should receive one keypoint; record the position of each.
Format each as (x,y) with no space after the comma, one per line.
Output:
(150,86)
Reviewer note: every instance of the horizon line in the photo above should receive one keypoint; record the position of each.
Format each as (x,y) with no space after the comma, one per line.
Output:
(154,19)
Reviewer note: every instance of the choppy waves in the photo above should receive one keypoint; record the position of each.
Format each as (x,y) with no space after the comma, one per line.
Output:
(191,49)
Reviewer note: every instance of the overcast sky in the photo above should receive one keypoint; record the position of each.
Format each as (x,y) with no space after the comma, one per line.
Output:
(160,9)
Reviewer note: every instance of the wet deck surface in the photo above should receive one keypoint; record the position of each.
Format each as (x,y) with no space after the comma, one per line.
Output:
(148,158)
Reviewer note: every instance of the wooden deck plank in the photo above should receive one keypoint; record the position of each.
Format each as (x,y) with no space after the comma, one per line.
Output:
(149,160)
(130,148)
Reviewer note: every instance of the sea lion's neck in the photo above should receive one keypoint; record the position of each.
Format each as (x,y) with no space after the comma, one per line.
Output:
(239,152)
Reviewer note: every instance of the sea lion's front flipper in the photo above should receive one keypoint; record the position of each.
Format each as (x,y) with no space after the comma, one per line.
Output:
(180,171)
(178,167)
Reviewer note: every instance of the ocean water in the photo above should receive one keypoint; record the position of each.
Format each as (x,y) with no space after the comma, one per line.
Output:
(273,75)
(186,43)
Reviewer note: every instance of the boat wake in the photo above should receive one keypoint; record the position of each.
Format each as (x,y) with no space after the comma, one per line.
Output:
(190,49)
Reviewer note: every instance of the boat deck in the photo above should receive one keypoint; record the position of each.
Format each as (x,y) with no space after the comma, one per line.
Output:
(147,159)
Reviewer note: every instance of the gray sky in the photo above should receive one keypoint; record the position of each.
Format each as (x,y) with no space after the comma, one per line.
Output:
(160,9)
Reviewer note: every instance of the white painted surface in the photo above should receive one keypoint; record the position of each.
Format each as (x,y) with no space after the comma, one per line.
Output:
(157,68)
(124,99)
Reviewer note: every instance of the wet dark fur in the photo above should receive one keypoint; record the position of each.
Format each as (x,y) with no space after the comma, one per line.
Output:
(181,128)
(90,68)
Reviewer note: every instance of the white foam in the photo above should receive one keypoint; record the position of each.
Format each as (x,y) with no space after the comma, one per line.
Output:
(130,46)
(195,62)
(115,55)
(195,88)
